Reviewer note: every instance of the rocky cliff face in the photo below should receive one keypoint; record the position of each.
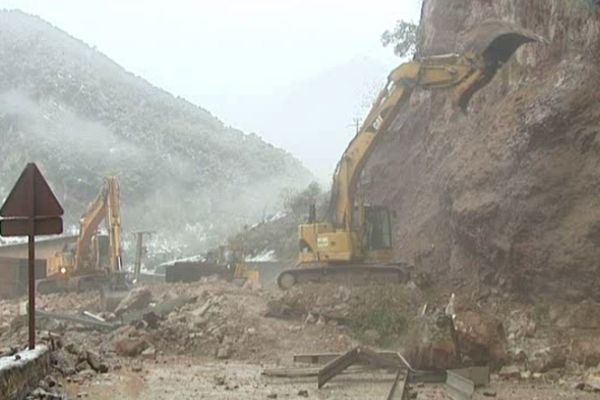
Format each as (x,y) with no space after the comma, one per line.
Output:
(507,196)
(80,116)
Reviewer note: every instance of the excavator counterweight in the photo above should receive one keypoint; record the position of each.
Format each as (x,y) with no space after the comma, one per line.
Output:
(360,245)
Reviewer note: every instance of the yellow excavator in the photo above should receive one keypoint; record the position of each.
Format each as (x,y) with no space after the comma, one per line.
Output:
(95,261)
(357,245)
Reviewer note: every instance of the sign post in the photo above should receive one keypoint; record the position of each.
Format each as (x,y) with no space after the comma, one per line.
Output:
(31,209)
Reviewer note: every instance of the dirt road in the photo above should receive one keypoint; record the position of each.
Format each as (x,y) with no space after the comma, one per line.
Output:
(187,378)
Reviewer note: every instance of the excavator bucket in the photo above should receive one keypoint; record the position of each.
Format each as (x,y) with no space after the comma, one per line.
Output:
(492,44)
(497,41)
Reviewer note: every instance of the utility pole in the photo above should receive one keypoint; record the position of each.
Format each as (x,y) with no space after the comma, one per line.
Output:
(139,250)
(355,124)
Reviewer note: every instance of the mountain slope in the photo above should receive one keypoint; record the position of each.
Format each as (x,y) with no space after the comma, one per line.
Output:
(81,117)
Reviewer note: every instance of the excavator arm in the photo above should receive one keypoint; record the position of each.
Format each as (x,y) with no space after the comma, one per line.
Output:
(81,268)
(492,44)
(431,73)
(106,205)
(113,221)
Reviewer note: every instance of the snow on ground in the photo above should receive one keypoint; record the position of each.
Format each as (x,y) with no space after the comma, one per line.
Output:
(265,256)
(24,357)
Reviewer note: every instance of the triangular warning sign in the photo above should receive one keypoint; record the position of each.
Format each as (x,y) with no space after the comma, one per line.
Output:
(31,197)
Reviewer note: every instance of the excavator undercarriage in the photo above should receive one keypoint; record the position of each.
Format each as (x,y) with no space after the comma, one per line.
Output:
(350,274)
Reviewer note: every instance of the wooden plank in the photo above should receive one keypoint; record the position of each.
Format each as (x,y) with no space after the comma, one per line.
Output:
(324,358)
(291,372)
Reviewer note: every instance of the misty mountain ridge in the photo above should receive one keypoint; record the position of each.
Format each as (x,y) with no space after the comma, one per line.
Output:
(81,117)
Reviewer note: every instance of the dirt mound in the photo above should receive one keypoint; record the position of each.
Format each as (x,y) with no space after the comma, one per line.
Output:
(380,314)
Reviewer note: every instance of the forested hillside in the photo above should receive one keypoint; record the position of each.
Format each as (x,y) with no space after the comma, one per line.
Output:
(81,117)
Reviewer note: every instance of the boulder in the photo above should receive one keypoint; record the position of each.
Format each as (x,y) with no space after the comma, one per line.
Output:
(585,315)
(510,372)
(547,358)
(137,299)
(224,352)
(64,362)
(520,325)
(431,343)
(585,351)
(481,338)
(592,380)
(130,346)
(96,362)
(149,353)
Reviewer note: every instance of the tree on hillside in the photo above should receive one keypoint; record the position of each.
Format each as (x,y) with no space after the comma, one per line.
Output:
(298,202)
(403,38)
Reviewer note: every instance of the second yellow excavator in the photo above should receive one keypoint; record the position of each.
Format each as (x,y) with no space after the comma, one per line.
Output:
(358,244)
(95,261)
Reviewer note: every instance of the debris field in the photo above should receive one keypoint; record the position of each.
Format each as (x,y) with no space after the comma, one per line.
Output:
(218,337)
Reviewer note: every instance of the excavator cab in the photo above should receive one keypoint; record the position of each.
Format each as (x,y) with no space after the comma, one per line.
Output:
(377,227)
(376,234)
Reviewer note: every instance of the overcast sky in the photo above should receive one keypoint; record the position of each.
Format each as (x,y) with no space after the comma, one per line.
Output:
(214,53)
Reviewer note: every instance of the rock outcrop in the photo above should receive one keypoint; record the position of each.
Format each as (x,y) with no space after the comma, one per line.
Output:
(507,195)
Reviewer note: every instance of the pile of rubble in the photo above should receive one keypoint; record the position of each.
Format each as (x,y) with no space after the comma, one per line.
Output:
(210,318)
(342,304)
(68,364)
(545,340)
(184,320)
(557,342)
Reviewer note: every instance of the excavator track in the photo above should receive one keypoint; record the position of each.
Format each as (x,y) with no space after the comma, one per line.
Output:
(351,274)
(82,283)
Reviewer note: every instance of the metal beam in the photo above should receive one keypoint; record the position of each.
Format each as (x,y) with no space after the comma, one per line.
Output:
(79,320)
(459,387)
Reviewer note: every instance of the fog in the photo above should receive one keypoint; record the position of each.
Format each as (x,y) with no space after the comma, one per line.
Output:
(262,66)
(298,74)
(157,191)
